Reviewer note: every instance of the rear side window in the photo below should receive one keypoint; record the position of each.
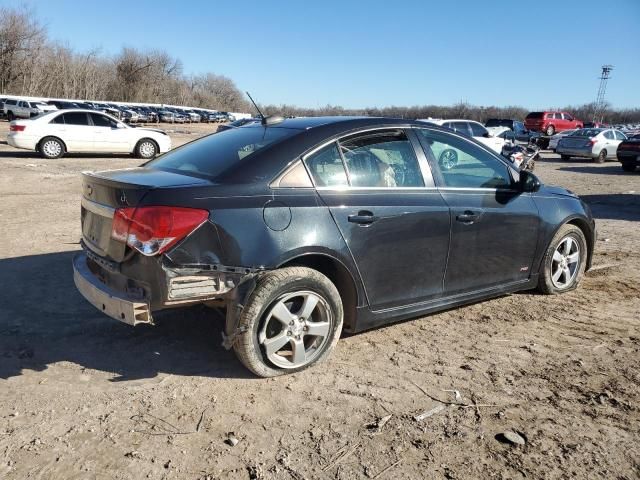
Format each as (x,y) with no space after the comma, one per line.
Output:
(212,155)
(76,118)
(534,115)
(326,167)
(58,120)
(384,159)
(609,135)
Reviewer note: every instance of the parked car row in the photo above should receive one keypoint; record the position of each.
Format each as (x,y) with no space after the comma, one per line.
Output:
(22,108)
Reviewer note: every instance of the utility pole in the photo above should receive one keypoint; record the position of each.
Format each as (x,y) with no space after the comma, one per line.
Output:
(600,104)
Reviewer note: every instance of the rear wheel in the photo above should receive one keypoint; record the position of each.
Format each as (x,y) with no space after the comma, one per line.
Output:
(51,147)
(565,261)
(10,116)
(629,166)
(146,148)
(565,157)
(551,130)
(602,156)
(292,320)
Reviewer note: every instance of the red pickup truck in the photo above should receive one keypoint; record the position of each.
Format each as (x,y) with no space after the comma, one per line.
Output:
(550,123)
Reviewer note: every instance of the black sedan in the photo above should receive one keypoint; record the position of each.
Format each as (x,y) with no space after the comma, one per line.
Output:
(628,153)
(305,227)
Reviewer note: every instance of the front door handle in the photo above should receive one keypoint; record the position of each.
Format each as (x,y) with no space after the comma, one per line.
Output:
(364,217)
(467,217)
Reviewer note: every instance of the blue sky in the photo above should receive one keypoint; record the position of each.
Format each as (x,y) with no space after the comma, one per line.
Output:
(377,53)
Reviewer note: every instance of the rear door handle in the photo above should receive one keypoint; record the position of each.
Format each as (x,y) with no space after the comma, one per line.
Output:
(364,217)
(467,217)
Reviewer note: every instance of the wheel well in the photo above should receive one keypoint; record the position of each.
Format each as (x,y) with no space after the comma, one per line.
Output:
(64,145)
(341,278)
(586,231)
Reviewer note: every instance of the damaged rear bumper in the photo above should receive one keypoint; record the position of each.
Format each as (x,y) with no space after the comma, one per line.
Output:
(115,304)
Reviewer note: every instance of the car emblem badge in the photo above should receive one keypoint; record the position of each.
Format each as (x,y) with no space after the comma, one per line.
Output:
(123,198)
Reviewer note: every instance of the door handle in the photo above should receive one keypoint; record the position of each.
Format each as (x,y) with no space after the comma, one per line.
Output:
(364,217)
(467,217)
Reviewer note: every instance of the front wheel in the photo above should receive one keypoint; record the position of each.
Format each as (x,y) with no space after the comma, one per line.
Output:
(602,156)
(146,149)
(292,320)
(11,117)
(565,261)
(551,130)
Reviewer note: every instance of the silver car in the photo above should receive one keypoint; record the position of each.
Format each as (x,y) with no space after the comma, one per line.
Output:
(598,144)
(553,141)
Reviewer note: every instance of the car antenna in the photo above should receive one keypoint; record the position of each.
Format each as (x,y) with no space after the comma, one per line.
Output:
(254,104)
(266,121)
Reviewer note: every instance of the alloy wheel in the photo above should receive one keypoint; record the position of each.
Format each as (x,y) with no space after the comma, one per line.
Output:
(565,262)
(147,149)
(51,148)
(296,329)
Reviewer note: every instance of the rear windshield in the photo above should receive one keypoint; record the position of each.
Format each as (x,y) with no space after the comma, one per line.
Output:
(498,122)
(586,132)
(212,155)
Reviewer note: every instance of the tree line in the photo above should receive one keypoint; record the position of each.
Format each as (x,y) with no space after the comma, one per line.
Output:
(32,64)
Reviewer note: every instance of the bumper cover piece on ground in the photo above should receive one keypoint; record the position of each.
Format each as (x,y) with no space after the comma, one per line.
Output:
(115,304)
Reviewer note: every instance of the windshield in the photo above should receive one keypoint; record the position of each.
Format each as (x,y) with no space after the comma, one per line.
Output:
(586,132)
(212,155)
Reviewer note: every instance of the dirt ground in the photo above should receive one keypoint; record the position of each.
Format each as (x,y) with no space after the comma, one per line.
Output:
(85,397)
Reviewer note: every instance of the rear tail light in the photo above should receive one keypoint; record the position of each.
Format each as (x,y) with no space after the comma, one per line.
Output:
(17,128)
(593,141)
(153,230)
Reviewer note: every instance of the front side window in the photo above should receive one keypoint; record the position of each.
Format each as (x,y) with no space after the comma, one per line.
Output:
(477,130)
(326,167)
(102,121)
(620,135)
(381,158)
(461,164)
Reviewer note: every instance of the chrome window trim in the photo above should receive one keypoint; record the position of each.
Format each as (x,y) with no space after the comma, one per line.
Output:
(98,208)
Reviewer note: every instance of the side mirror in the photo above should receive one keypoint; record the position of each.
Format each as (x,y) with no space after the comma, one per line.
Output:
(121,125)
(487,135)
(528,182)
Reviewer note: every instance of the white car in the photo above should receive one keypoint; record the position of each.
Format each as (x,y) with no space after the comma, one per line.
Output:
(15,108)
(73,131)
(472,129)
(553,141)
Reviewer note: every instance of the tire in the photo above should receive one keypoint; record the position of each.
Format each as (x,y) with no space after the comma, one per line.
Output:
(146,149)
(629,166)
(259,324)
(51,148)
(565,157)
(11,117)
(551,262)
(602,156)
(550,131)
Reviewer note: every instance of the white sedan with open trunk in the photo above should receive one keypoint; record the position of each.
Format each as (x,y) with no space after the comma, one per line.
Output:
(85,131)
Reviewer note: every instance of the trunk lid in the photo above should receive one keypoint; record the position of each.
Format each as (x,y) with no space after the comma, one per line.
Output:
(104,192)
